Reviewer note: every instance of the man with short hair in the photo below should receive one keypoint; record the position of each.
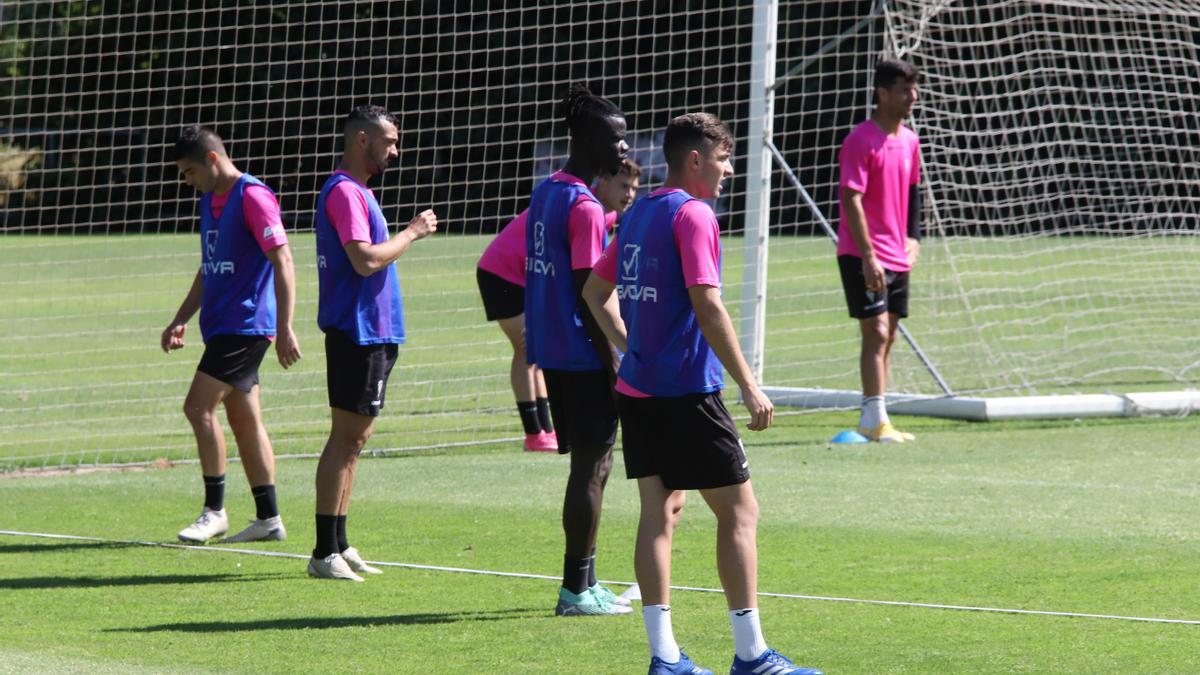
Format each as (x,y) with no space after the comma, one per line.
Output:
(668,318)
(879,233)
(616,191)
(361,313)
(245,279)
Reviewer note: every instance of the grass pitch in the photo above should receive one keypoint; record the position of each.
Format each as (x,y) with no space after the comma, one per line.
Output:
(82,379)
(1095,518)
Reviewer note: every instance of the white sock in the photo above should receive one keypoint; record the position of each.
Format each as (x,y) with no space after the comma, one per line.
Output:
(748,641)
(658,628)
(874,413)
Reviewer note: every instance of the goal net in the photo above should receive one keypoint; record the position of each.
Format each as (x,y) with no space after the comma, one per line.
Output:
(1059,143)
(99,239)
(1060,150)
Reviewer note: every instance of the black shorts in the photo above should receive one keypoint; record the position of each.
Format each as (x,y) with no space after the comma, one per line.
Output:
(864,304)
(690,442)
(582,406)
(234,359)
(357,375)
(502,299)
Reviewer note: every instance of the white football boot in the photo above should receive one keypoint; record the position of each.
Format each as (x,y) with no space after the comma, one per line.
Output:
(267,529)
(331,567)
(210,524)
(356,563)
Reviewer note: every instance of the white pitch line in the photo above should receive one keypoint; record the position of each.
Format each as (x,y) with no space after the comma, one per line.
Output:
(526,575)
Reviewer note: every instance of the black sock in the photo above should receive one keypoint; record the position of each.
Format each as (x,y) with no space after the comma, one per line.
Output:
(264,502)
(214,492)
(543,410)
(529,417)
(592,569)
(341,534)
(575,574)
(326,536)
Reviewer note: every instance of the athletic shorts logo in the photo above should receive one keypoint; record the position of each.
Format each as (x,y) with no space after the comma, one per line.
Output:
(875,300)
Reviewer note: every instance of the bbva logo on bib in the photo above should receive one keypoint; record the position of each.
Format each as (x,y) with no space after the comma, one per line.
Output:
(210,242)
(629,261)
(536,264)
(208,265)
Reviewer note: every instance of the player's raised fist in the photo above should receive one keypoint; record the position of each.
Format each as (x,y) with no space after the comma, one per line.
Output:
(423,225)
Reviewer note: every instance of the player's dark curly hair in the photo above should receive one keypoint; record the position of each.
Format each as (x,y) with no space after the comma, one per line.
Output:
(580,107)
(195,142)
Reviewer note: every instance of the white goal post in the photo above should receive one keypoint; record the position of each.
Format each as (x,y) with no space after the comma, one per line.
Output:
(1059,153)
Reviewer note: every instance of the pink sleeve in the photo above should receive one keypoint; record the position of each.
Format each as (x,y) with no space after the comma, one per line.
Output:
(260,215)
(347,210)
(606,266)
(698,238)
(916,163)
(585,232)
(610,219)
(854,160)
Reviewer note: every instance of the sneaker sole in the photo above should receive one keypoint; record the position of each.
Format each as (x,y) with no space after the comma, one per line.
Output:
(273,535)
(314,575)
(559,611)
(199,541)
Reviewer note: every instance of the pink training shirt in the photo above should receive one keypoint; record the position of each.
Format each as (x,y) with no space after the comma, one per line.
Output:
(505,256)
(260,215)
(882,168)
(347,210)
(586,229)
(697,238)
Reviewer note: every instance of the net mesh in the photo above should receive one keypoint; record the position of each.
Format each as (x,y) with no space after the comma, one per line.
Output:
(99,242)
(1059,154)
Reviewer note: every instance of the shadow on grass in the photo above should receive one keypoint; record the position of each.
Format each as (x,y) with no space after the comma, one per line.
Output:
(27,583)
(58,546)
(323,622)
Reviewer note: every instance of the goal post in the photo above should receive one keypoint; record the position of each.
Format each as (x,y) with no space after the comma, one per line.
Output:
(1058,143)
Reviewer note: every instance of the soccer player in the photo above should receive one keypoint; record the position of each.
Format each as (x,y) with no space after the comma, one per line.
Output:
(564,237)
(665,266)
(501,279)
(616,191)
(360,312)
(245,278)
(879,233)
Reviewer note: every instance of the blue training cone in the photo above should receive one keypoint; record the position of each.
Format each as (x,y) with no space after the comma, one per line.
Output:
(849,437)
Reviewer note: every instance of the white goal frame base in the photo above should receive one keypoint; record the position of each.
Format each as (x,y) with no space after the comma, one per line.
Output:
(1066,406)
